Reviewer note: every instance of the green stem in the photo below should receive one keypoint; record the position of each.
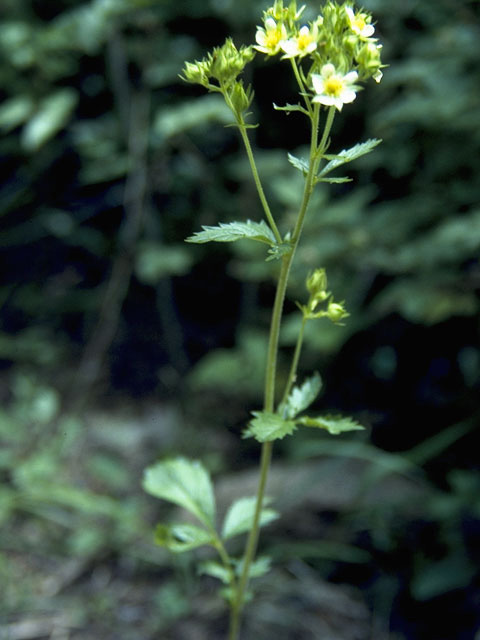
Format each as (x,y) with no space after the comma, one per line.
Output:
(296,357)
(258,183)
(271,366)
(301,85)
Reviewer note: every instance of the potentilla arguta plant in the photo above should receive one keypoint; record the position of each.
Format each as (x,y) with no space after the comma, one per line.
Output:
(331,58)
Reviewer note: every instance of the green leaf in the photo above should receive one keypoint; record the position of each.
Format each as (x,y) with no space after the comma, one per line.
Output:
(300,398)
(334,180)
(52,115)
(257,569)
(291,107)
(267,426)
(347,155)
(214,569)
(299,163)
(333,424)
(277,251)
(185,483)
(239,517)
(182,537)
(232,231)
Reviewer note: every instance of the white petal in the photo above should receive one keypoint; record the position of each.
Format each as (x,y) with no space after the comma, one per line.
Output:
(260,37)
(270,24)
(368,31)
(327,100)
(347,96)
(350,77)
(350,14)
(290,47)
(318,83)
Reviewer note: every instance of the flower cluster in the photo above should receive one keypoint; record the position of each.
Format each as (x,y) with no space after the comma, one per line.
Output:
(339,44)
(316,284)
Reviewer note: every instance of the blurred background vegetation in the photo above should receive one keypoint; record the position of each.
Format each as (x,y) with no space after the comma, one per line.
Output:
(119,344)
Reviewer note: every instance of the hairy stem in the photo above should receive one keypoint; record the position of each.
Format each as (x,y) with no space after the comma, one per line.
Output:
(316,151)
(258,183)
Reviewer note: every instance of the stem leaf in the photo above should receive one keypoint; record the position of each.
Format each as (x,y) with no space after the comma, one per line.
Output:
(185,483)
(215,570)
(300,398)
(347,155)
(334,180)
(267,426)
(232,231)
(299,163)
(333,424)
(291,107)
(239,517)
(182,537)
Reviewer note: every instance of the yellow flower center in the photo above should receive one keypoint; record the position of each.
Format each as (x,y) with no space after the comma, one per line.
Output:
(333,86)
(360,23)
(272,38)
(304,40)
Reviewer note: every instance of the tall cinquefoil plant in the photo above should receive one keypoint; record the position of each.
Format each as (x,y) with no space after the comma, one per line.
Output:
(330,58)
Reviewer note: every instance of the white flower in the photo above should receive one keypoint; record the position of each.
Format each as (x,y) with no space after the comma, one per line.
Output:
(269,39)
(302,44)
(358,23)
(332,88)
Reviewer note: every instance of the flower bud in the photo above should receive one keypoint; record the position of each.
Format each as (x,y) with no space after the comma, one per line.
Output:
(240,98)
(336,312)
(317,282)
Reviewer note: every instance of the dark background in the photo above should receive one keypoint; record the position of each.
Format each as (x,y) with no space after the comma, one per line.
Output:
(119,344)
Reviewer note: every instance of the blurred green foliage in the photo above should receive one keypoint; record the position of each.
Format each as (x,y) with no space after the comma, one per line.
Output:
(109,162)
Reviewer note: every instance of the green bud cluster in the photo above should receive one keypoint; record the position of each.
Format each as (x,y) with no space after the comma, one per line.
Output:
(219,71)
(316,284)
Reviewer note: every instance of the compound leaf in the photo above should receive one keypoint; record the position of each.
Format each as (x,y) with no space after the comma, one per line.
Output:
(267,426)
(347,155)
(333,424)
(300,398)
(299,163)
(239,517)
(290,107)
(185,483)
(232,231)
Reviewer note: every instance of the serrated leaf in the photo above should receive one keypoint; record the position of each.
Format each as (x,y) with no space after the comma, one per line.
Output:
(257,569)
(300,398)
(299,163)
(334,180)
(333,424)
(232,231)
(277,251)
(181,537)
(185,483)
(215,570)
(239,517)
(267,426)
(347,155)
(290,107)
